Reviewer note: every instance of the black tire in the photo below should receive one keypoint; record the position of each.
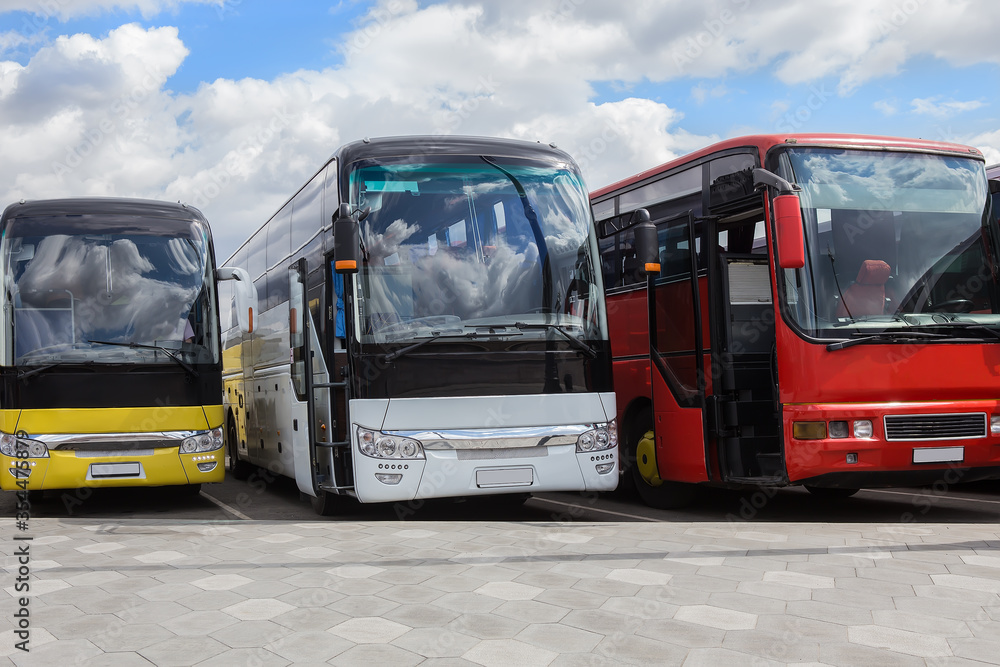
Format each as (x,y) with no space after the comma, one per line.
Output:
(826,493)
(656,493)
(325,504)
(238,468)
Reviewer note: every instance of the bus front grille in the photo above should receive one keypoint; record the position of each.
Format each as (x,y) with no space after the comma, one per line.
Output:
(936,427)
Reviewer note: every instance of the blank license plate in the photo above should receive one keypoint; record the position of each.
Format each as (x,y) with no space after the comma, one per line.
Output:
(115,470)
(504,477)
(938,454)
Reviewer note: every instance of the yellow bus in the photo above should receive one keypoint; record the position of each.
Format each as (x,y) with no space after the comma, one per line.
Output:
(110,367)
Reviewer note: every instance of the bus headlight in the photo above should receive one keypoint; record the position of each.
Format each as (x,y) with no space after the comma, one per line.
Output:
(22,448)
(603,436)
(203,441)
(386,446)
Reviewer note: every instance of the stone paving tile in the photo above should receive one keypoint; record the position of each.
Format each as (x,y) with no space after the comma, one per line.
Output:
(307,646)
(504,652)
(377,654)
(182,651)
(506,593)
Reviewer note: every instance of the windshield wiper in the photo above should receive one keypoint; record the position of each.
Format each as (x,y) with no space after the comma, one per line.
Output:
(963,326)
(143,346)
(24,373)
(396,354)
(885,337)
(573,340)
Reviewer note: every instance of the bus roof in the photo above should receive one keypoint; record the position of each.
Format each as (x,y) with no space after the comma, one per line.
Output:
(764,142)
(384,147)
(147,208)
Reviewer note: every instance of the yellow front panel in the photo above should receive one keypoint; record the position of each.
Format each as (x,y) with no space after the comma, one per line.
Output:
(65,470)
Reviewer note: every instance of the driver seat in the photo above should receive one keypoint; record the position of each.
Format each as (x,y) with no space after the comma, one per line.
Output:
(867,295)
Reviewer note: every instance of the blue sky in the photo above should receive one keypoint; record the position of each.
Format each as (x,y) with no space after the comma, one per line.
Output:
(231,105)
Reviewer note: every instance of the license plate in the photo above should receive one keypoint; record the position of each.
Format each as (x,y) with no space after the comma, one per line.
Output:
(939,454)
(494,477)
(115,470)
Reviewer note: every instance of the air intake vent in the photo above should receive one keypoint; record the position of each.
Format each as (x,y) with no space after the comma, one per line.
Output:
(935,427)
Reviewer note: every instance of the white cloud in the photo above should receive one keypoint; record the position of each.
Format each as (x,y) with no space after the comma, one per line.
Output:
(65,9)
(89,115)
(988,143)
(886,107)
(938,107)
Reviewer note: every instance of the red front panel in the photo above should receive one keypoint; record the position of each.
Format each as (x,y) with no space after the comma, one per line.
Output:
(869,382)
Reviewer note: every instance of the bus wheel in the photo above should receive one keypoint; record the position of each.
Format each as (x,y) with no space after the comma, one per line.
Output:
(654,491)
(238,468)
(325,504)
(827,493)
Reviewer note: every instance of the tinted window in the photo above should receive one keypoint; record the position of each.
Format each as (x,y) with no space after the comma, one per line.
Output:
(604,209)
(731,178)
(278,236)
(255,254)
(676,185)
(307,218)
(331,198)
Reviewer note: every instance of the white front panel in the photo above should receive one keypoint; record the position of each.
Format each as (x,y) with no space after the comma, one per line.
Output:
(460,472)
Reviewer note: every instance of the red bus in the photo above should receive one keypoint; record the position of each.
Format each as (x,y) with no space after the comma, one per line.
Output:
(851,340)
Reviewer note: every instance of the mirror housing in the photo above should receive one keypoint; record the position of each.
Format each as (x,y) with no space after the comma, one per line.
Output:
(787,218)
(647,249)
(245,293)
(346,241)
(789,233)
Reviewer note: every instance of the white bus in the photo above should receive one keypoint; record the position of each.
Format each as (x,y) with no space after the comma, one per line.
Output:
(430,323)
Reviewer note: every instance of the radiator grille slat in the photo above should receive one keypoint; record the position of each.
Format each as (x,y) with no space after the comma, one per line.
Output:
(936,427)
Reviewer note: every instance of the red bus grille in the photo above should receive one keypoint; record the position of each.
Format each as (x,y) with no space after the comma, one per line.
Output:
(935,427)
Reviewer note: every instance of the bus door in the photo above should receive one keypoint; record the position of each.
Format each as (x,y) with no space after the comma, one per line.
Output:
(743,418)
(678,358)
(315,438)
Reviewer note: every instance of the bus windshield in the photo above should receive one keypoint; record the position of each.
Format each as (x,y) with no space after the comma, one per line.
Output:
(469,242)
(89,289)
(894,241)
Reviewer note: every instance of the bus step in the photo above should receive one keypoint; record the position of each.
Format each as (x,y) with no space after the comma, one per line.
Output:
(769,480)
(335,489)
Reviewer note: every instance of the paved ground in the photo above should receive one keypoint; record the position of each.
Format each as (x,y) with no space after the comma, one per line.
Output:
(169,592)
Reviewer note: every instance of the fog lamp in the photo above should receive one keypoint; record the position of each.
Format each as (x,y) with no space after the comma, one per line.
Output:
(809,430)
(838,429)
(863,428)
(388,478)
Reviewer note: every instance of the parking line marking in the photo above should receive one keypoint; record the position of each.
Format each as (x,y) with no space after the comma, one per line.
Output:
(235,512)
(595,509)
(930,495)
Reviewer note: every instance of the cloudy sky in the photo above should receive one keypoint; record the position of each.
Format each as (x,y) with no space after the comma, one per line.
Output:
(230,105)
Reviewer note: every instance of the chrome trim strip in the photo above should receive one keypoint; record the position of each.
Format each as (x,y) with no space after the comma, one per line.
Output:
(499,438)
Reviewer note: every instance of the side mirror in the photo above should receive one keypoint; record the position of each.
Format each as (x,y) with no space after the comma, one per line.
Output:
(245,294)
(346,241)
(647,249)
(788,229)
(787,218)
